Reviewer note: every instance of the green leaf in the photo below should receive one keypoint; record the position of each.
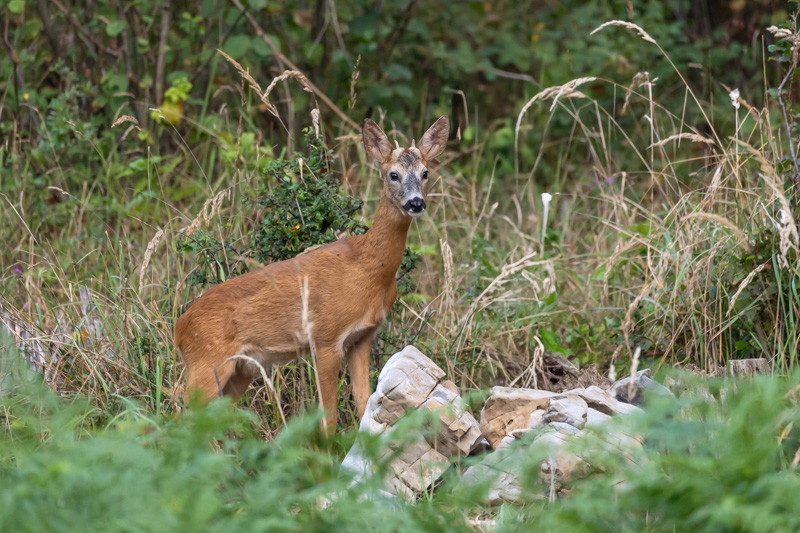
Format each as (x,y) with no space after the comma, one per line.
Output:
(115,28)
(741,345)
(260,47)
(599,273)
(237,46)
(16,6)
(551,341)
(642,228)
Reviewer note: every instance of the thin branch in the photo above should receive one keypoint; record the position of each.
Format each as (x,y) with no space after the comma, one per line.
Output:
(166,16)
(786,122)
(86,33)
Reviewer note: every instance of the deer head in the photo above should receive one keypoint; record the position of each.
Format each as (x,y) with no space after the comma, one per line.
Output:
(405,170)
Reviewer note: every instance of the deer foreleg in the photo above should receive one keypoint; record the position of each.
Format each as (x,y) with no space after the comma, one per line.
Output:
(358,363)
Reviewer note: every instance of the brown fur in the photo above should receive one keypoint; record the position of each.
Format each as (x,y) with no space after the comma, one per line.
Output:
(351,288)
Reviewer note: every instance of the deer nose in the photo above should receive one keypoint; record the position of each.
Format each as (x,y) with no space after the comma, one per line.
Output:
(417,205)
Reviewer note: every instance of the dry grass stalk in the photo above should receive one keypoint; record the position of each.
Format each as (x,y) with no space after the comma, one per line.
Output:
(507,271)
(629,25)
(634,369)
(210,208)
(448,292)
(788,239)
(288,74)
(264,94)
(566,90)
(638,80)
(785,223)
(530,376)
(148,253)
(354,78)
(722,221)
(744,285)
(126,118)
(690,136)
(315,121)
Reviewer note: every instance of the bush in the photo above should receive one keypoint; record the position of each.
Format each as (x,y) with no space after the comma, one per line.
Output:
(298,204)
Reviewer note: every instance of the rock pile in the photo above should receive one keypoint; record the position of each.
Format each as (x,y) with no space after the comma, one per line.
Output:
(549,421)
(558,420)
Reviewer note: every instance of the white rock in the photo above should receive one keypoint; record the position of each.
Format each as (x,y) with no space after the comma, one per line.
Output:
(498,469)
(564,428)
(405,382)
(747,367)
(508,409)
(596,418)
(459,433)
(537,418)
(634,389)
(410,380)
(604,402)
(556,427)
(567,408)
(417,467)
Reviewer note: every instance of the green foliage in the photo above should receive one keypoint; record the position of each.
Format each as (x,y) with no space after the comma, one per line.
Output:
(713,466)
(408,53)
(303,206)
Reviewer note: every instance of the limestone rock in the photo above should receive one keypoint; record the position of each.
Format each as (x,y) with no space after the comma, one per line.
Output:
(512,418)
(405,382)
(633,389)
(410,380)
(596,418)
(415,469)
(459,433)
(567,408)
(508,409)
(500,467)
(505,485)
(560,466)
(604,402)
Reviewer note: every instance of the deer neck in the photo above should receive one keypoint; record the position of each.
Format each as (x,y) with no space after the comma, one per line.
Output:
(385,241)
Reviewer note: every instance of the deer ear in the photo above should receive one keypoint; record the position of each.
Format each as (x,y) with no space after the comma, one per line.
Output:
(435,139)
(376,143)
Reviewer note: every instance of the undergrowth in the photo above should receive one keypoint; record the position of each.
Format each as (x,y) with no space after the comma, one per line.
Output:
(721,459)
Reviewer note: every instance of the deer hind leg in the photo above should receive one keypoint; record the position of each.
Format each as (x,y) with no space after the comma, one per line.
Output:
(329,360)
(239,379)
(358,364)
(207,380)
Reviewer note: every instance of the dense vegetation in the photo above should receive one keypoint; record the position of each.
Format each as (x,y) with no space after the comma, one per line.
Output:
(725,466)
(606,192)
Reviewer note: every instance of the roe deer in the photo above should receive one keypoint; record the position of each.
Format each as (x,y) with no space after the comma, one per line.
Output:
(351,287)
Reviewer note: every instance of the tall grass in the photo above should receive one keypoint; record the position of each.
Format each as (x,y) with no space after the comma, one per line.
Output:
(670,231)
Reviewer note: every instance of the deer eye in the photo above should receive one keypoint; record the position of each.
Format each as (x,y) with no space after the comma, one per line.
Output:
(394,176)
(425,175)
